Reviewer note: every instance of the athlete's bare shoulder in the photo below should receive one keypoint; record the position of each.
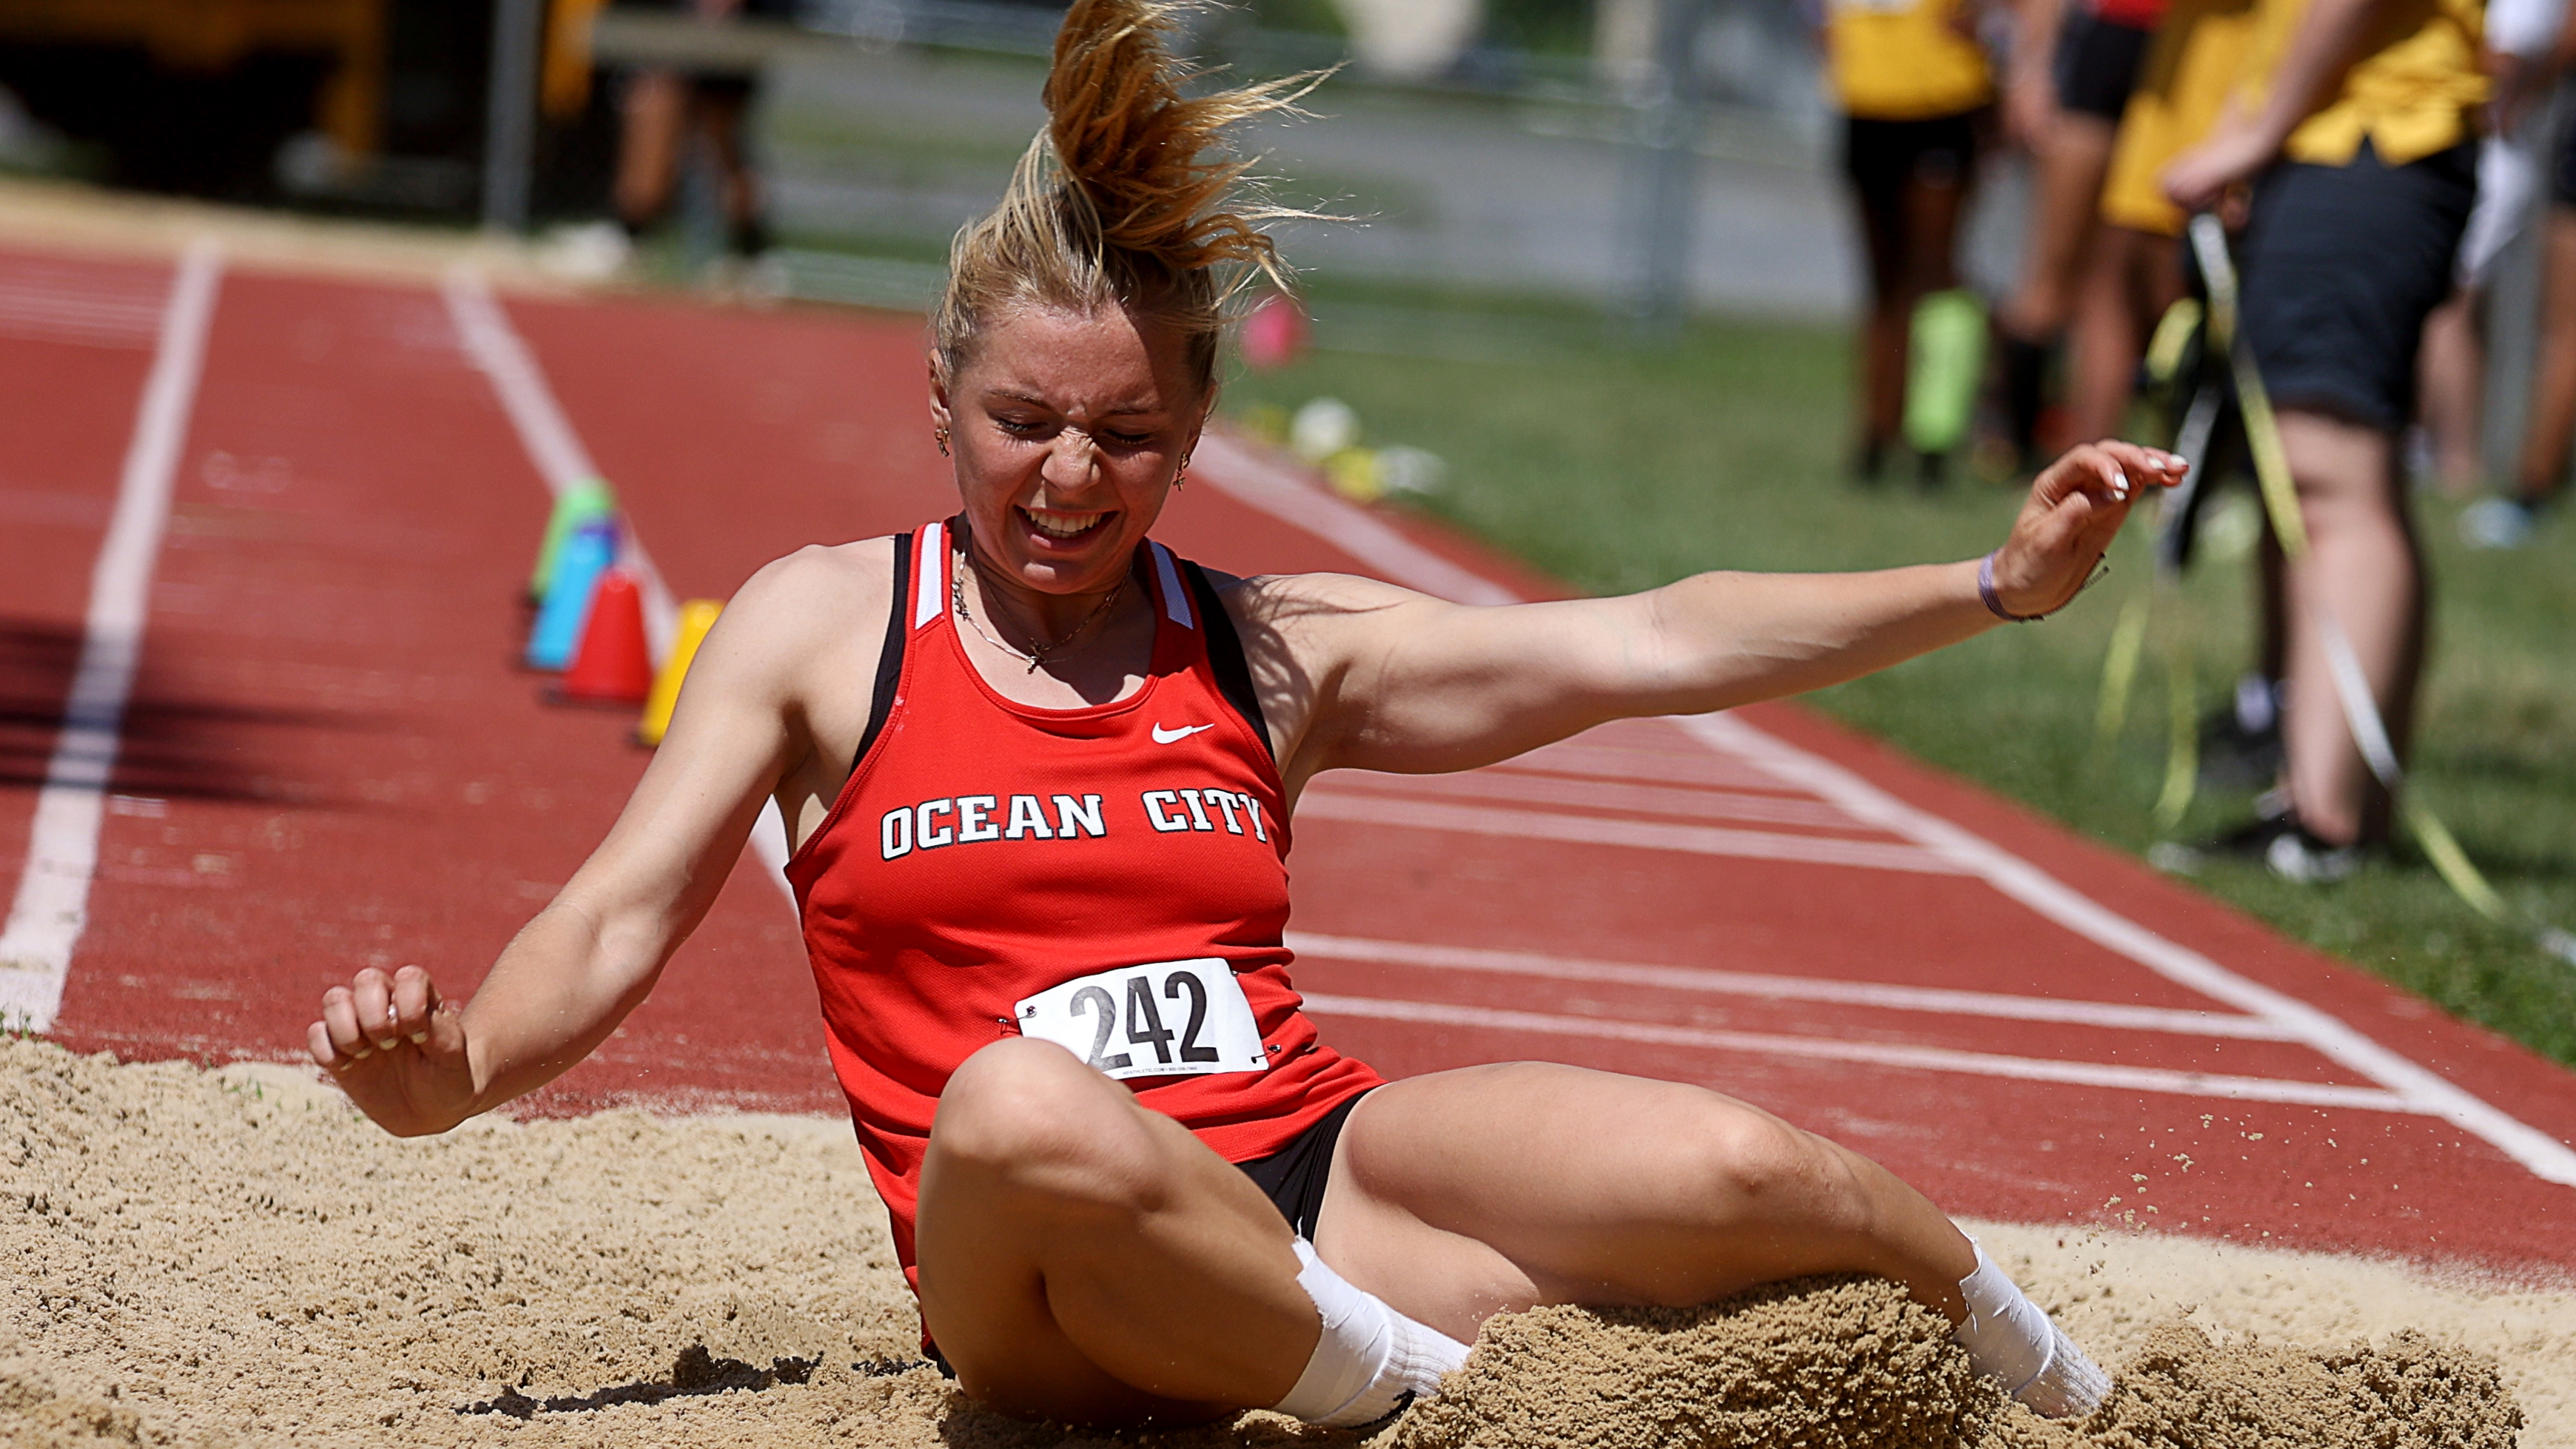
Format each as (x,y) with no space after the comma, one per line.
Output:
(823,598)
(1300,634)
(806,633)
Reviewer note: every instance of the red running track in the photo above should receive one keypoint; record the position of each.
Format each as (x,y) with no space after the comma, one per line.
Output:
(329,760)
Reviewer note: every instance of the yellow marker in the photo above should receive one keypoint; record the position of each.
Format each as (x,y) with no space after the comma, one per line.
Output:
(696,617)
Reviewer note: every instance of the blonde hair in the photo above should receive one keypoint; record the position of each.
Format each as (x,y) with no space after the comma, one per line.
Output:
(1128,198)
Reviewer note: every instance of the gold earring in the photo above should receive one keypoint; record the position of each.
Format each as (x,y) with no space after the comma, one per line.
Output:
(1181,474)
(941,434)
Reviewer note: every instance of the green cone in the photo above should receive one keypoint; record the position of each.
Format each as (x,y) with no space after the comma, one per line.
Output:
(1947,357)
(588,499)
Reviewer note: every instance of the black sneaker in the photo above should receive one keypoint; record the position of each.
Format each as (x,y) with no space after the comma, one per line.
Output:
(1868,464)
(2288,848)
(2240,741)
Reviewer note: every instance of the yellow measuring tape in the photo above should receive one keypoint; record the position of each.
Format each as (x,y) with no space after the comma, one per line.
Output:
(2352,685)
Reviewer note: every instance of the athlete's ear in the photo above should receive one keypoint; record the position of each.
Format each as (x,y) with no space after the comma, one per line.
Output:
(939,412)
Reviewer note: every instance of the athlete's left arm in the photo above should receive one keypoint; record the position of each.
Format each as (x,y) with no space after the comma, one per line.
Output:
(1360,674)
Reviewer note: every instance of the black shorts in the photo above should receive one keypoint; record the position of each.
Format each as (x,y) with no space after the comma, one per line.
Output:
(2096,65)
(1880,157)
(1294,1176)
(2562,176)
(2340,265)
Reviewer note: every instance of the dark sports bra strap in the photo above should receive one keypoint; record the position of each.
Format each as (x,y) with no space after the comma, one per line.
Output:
(890,658)
(1225,654)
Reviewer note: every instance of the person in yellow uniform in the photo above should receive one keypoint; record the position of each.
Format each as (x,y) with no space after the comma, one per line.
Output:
(1914,87)
(2190,66)
(2352,122)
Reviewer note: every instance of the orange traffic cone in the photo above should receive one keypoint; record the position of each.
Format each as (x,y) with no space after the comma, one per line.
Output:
(613,665)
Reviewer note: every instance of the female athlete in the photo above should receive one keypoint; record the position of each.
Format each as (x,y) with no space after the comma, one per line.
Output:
(1041,776)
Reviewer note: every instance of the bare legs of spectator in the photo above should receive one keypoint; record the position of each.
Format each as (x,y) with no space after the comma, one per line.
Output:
(2364,565)
(2057,267)
(2553,395)
(2449,376)
(654,128)
(2130,278)
(663,110)
(1912,240)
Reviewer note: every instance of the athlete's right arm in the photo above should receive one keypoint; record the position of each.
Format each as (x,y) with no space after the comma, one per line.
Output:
(417,1064)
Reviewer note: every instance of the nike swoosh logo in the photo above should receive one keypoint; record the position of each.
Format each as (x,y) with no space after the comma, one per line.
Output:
(1163,736)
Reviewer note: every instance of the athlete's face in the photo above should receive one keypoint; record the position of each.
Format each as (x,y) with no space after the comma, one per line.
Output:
(1067,428)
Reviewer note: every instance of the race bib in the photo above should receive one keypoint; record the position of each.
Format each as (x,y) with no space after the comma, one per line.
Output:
(1171,1019)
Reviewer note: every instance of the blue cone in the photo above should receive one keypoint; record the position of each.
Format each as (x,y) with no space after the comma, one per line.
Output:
(590,550)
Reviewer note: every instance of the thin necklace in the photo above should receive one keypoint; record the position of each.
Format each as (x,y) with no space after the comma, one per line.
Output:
(957,597)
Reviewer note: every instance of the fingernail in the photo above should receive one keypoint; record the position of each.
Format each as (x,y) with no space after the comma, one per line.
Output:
(418,1037)
(386,1045)
(363,1053)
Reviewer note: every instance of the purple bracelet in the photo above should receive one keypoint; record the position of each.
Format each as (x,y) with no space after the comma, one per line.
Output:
(1995,605)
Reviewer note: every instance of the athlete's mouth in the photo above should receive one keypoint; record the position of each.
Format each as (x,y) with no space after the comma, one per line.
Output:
(1064,526)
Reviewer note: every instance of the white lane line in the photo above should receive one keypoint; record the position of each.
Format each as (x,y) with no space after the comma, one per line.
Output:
(2543,1155)
(51,907)
(1253,480)
(1638,834)
(485,333)
(1658,767)
(81,306)
(1406,563)
(556,449)
(1932,1059)
(1936,1000)
(1494,784)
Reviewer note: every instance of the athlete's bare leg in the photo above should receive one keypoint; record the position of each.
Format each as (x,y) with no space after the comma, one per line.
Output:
(2362,563)
(1460,1194)
(1085,1259)
(1088,1260)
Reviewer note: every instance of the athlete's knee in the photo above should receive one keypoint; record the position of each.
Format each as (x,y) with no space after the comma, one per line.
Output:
(1032,1116)
(1754,1166)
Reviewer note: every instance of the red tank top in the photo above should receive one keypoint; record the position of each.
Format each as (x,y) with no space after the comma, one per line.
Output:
(985,851)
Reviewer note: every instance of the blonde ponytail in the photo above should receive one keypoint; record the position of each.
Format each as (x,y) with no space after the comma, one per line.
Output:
(1128,198)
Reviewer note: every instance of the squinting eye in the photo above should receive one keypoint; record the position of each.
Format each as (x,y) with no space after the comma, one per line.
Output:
(1017,427)
(1130,440)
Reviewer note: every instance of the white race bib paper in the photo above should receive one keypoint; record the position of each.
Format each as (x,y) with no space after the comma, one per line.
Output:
(1169,1019)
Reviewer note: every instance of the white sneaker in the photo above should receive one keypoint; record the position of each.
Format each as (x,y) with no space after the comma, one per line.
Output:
(2497,523)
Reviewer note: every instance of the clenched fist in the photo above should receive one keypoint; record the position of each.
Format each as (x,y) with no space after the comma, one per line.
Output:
(397,1049)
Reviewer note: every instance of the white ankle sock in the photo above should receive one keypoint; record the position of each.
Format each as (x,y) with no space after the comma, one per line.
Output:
(1370,1357)
(2012,1341)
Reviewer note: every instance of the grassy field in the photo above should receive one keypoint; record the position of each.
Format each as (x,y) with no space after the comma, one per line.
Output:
(1617,468)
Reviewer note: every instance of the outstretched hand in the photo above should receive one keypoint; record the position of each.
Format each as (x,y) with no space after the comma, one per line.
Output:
(397,1048)
(2076,508)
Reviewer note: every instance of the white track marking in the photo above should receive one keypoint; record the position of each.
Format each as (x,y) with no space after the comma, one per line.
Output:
(1520,787)
(2545,1156)
(2112,1015)
(503,356)
(1330,804)
(1690,765)
(1266,486)
(496,348)
(1934,1059)
(82,306)
(51,907)
(1258,483)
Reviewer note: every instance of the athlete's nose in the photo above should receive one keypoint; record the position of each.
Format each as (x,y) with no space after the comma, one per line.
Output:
(1069,463)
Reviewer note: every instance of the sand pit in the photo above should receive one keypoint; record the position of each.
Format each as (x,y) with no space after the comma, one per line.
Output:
(236,1258)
